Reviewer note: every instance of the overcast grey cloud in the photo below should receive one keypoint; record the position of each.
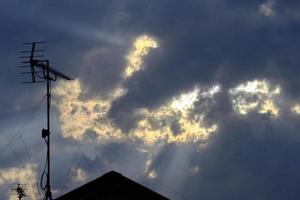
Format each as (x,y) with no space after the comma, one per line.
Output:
(253,153)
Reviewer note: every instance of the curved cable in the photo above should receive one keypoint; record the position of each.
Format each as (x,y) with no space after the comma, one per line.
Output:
(43,187)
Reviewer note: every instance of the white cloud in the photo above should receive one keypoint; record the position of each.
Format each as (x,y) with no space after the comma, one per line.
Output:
(79,175)
(171,122)
(256,95)
(78,116)
(296,109)
(267,8)
(26,175)
(152,174)
(140,49)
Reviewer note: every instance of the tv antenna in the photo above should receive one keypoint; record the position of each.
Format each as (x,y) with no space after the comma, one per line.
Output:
(19,189)
(41,71)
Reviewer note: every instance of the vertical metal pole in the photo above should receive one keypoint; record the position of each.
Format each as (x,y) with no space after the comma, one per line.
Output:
(45,132)
(48,190)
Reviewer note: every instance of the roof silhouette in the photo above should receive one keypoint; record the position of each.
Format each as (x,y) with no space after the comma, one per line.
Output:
(112,185)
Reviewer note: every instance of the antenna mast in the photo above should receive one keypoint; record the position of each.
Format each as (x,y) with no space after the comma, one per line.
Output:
(19,189)
(45,74)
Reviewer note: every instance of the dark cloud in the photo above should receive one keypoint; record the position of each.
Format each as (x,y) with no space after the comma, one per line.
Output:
(101,68)
(204,42)
(201,42)
(250,159)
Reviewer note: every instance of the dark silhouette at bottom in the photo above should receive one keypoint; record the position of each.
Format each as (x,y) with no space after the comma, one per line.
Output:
(112,185)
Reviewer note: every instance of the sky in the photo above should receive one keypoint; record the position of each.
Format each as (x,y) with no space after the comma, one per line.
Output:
(194,99)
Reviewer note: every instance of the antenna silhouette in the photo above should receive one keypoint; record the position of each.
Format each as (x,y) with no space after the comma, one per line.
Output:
(41,72)
(19,189)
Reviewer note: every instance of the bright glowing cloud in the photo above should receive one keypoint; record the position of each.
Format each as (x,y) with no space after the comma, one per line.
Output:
(296,109)
(25,175)
(79,175)
(78,116)
(152,174)
(176,121)
(269,107)
(185,101)
(170,122)
(140,49)
(255,95)
(173,123)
